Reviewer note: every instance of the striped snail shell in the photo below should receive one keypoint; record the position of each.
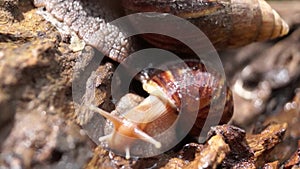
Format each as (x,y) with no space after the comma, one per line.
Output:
(161,108)
(227,23)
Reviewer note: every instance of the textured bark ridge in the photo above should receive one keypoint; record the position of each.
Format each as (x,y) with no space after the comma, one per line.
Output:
(95,31)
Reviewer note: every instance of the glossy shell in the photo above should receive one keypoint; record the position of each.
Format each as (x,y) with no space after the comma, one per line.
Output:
(227,23)
(198,87)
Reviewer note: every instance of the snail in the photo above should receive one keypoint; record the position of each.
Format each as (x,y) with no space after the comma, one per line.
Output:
(227,23)
(190,86)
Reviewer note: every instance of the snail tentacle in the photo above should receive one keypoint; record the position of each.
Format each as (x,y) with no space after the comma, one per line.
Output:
(105,138)
(144,136)
(117,121)
(127,153)
(124,127)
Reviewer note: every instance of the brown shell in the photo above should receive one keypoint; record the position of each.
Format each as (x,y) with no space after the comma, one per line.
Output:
(186,81)
(227,23)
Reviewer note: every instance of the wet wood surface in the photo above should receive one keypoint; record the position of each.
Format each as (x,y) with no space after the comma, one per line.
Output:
(38,127)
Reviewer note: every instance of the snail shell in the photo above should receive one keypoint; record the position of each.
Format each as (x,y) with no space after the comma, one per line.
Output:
(191,87)
(227,23)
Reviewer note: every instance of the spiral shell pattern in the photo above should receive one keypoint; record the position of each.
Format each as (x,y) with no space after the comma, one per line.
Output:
(193,83)
(227,23)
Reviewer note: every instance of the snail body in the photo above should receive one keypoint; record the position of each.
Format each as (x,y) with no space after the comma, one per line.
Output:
(180,88)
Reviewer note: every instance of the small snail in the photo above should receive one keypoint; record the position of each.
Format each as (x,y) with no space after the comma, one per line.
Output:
(179,86)
(227,23)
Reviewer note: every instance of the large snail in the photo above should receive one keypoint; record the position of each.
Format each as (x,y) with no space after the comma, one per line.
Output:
(227,23)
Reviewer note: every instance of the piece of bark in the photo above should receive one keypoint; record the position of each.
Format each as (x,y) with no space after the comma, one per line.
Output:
(236,139)
(246,149)
(267,139)
(288,114)
(271,165)
(212,154)
(35,83)
(294,161)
